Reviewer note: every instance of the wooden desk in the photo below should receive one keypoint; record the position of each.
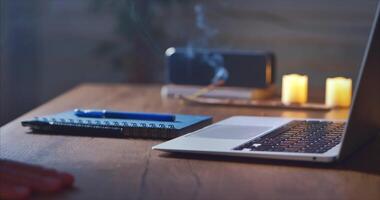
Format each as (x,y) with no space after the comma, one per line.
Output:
(129,169)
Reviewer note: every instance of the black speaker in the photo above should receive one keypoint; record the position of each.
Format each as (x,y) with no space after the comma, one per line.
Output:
(189,66)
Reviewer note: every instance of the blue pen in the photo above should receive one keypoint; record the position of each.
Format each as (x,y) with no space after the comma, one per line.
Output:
(124,115)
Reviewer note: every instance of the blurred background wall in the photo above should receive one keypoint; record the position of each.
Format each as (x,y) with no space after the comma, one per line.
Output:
(50,46)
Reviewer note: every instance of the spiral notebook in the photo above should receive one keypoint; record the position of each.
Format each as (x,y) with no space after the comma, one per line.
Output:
(67,123)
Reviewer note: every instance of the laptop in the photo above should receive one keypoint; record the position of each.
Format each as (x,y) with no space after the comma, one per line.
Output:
(315,140)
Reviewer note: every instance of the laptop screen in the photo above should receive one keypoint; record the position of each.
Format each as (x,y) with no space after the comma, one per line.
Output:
(364,121)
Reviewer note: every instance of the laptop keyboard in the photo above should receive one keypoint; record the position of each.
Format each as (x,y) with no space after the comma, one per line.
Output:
(298,136)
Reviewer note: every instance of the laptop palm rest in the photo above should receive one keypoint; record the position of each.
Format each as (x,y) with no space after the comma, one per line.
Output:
(237,132)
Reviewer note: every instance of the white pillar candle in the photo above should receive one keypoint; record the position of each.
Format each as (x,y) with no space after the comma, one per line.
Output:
(294,89)
(338,92)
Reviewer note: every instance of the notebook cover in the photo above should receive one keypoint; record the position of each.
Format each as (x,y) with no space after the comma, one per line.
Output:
(67,123)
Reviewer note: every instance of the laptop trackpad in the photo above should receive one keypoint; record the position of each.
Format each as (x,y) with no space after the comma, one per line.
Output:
(230,132)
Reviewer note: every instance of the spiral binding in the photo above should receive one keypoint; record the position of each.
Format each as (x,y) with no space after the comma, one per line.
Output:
(128,129)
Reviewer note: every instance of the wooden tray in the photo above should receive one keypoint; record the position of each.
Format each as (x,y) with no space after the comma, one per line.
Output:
(255,103)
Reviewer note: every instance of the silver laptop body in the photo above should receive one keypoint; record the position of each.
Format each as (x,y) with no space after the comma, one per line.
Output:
(247,136)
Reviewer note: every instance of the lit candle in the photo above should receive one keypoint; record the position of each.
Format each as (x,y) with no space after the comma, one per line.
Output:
(294,89)
(338,92)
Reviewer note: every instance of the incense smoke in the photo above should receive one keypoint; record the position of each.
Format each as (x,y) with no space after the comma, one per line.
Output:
(212,59)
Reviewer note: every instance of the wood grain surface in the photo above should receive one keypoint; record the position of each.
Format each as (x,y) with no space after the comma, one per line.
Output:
(129,169)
